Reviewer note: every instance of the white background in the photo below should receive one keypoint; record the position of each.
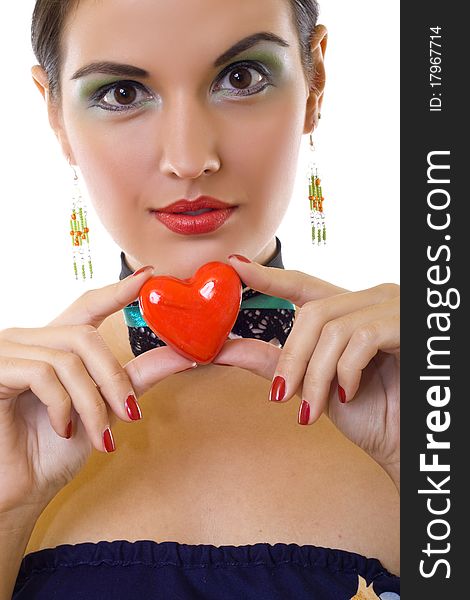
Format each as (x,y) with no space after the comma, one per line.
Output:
(357,147)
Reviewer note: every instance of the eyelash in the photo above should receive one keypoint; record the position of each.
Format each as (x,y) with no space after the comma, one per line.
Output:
(98,96)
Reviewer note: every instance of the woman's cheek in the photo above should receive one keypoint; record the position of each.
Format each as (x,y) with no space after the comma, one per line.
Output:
(96,143)
(266,157)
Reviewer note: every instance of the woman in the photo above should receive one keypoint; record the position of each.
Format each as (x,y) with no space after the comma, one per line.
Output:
(214,492)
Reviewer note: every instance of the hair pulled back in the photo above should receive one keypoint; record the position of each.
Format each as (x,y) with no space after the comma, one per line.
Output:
(49,18)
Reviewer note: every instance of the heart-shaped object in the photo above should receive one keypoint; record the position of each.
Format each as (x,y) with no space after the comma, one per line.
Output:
(194,316)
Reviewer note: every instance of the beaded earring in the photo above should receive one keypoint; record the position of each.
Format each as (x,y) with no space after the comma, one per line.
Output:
(79,231)
(315,196)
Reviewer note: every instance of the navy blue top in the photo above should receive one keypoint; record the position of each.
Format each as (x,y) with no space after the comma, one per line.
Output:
(148,570)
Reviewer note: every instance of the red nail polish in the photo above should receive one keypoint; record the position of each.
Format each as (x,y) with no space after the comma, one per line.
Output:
(142,269)
(278,389)
(68,433)
(240,257)
(133,409)
(108,440)
(304,413)
(341,394)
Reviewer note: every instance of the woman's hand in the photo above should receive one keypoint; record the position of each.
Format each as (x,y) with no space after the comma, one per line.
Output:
(341,357)
(65,372)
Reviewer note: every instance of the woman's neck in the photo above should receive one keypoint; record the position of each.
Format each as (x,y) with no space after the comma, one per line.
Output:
(268,252)
(263,258)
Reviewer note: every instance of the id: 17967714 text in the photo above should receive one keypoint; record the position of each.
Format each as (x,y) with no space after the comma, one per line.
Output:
(435,68)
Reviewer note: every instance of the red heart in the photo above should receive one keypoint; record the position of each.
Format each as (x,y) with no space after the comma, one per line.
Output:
(194,316)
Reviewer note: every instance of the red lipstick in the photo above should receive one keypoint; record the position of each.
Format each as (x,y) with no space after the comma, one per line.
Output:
(210,215)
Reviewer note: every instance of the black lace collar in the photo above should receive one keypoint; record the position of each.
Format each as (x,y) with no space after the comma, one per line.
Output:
(262,317)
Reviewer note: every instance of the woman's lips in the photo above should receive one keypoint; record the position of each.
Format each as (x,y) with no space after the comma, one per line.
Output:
(195,224)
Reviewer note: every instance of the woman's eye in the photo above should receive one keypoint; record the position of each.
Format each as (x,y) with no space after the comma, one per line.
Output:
(122,95)
(244,80)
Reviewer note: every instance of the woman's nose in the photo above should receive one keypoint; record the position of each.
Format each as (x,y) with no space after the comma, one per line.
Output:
(188,142)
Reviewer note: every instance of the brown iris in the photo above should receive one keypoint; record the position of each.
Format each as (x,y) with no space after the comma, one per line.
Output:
(125,94)
(241,78)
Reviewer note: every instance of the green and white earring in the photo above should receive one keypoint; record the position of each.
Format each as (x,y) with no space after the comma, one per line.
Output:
(79,231)
(315,196)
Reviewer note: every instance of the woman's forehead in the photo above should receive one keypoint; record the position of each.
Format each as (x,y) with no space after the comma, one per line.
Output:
(128,30)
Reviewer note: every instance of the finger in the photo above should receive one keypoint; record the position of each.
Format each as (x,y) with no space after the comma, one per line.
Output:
(69,369)
(295,286)
(19,375)
(151,367)
(334,338)
(364,344)
(309,322)
(84,341)
(256,356)
(112,380)
(95,305)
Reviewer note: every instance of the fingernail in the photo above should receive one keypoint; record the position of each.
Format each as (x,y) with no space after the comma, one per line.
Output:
(108,440)
(68,433)
(278,389)
(142,269)
(133,409)
(304,413)
(341,394)
(240,257)
(193,366)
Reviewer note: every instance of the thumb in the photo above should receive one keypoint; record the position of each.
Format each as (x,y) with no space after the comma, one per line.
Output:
(254,355)
(94,306)
(295,286)
(151,367)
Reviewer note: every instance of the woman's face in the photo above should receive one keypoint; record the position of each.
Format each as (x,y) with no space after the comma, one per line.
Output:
(192,122)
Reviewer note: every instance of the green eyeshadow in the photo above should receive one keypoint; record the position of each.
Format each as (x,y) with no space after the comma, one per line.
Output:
(273,61)
(87,88)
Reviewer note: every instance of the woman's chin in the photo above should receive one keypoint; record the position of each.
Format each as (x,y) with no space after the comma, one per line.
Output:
(184,266)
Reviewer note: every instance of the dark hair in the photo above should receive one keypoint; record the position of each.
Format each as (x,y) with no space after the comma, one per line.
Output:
(49,17)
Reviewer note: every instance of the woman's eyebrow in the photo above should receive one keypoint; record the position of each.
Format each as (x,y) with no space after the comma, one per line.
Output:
(110,68)
(248,42)
(123,70)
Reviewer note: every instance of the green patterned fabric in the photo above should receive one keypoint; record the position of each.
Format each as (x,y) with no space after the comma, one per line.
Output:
(133,317)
